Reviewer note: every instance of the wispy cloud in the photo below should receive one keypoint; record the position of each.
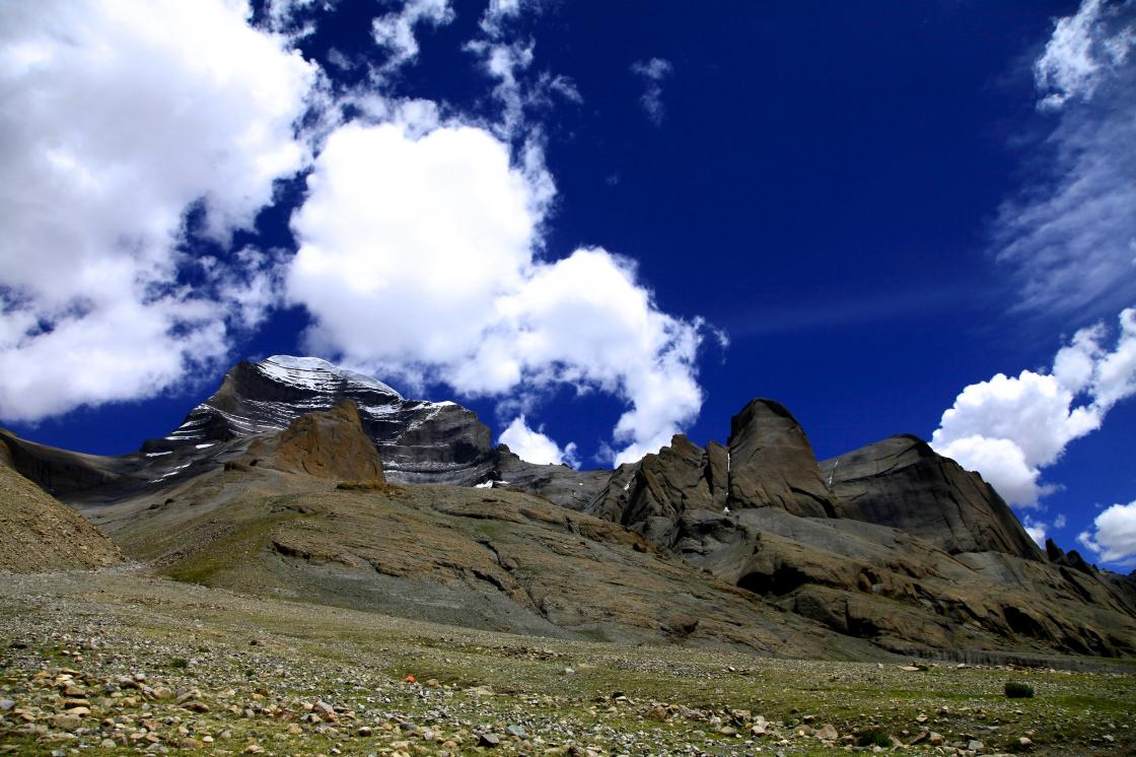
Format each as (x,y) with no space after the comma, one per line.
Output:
(833,313)
(395,31)
(1069,235)
(653,72)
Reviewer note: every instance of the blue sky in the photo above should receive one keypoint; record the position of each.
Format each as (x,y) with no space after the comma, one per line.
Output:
(859,210)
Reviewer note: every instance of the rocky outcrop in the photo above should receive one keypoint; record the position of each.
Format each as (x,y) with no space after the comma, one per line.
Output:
(38,533)
(891,542)
(557,483)
(662,493)
(771,463)
(328,444)
(902,483)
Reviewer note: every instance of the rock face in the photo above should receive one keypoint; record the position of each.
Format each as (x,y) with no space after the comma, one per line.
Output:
(38,533)
(772,465)
(327,444)
(660,494)
(901,482)
(891,542)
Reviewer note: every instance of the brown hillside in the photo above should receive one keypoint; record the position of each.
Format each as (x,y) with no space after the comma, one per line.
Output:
(38,533)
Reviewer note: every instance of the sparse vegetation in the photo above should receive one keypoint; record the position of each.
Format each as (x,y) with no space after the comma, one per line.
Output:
(101,631)
(1018,690)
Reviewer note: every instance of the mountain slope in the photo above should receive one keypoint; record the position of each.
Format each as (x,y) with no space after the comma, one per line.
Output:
(491,559)
(420,442)
(280,483)
(38,533)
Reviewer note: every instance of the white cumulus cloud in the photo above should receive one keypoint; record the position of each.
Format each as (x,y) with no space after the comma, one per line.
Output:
(417,260)
(118,118)
(1112,536)
(534,446)
(1010,428)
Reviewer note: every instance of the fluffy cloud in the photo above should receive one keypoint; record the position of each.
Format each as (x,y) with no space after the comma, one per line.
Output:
(1070,233)
(119,117)
(653,72)
(1009,428)
(395,31)
(417,260)
(533,446)
(1112,536)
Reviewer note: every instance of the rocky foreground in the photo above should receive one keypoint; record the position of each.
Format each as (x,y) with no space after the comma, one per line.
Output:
(122,662)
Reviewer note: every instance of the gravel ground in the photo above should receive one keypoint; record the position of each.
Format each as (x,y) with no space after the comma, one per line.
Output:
(119,661)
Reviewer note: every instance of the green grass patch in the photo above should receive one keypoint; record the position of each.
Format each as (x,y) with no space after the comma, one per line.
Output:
(239,546)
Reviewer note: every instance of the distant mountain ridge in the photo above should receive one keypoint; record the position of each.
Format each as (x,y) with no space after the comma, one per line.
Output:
(890,543)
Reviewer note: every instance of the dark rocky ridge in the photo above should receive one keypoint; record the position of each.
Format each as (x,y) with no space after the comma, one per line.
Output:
(768,463)
(772,463)
(890,542)
(419,442)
